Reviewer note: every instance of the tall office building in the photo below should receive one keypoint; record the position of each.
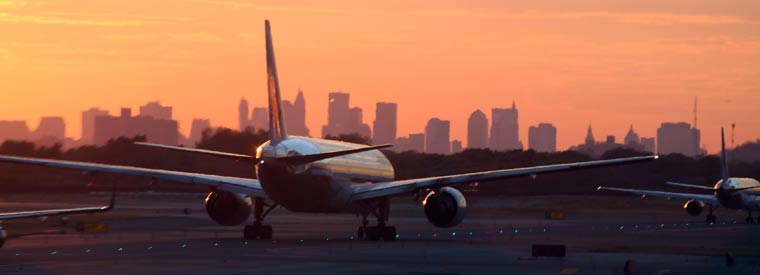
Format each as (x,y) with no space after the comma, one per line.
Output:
(631,138)
(678,138)
(456,146)
(14,130)
(543,138)
(88,124)
(437,139)
(384,127)
(156,110)
(260,119)
(504,129)
(243,115)
(341,119)
(295,115)
(648,144)
(161,131)
(196,130)
(477,130)
(51,128)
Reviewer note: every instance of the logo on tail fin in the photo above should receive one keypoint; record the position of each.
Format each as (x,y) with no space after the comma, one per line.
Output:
(276,121)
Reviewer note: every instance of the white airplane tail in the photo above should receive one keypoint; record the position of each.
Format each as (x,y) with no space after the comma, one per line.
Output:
(723,161)
(277,131)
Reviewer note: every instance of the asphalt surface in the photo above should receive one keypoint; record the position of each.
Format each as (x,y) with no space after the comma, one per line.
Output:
(154,235)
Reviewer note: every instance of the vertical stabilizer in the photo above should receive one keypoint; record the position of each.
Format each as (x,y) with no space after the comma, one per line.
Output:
(723,165)
(276,120)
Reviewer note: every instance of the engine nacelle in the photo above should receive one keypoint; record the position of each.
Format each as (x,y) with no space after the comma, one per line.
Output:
(444,208)
(693,207)
(227,208)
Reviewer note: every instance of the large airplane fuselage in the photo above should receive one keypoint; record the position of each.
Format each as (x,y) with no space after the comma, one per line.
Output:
(738,193)
(321,186)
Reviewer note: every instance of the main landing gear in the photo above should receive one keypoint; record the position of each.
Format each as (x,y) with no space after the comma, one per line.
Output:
(749,219)
(710,217)
(258,230)
(381,231)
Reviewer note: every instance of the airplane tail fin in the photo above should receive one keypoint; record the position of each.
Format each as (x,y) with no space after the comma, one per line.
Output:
(723,161)
(276,120)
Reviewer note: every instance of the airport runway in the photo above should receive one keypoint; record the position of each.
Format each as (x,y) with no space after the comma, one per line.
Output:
(151,235)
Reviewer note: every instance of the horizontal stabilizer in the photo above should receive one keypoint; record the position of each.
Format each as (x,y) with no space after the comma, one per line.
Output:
(224,155)
(689,185)
(300,160)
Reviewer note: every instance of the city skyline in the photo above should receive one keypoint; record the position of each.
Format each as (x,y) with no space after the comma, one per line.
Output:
(571,64)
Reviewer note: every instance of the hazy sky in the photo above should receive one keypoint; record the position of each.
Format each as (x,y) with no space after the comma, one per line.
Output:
(571,63)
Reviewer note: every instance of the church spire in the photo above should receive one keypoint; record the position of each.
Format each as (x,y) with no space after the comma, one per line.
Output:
(589,136)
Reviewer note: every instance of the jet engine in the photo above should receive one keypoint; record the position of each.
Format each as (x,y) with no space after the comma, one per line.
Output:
(227,208)
(693,207)
(445,207)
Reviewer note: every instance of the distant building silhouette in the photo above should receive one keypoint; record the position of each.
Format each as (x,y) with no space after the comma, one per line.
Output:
(14,130)
(156,110)
(504,129)
(295,116)
(196,130)
(50,128)
(543,138)
(88,124)
(456,146)
(414,142)
(596,149)
(631,138)
(260,118)
(243,115)
(648,144)
(161,131)
(477,130)
(384,127)
(437,137)
(678,138)
(341,119)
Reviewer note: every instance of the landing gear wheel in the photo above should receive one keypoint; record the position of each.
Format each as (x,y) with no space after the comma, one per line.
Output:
(253,232)
(360,232)
(711,219)
(385,233)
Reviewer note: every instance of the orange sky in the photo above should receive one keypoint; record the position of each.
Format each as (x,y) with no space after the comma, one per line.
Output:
(611,63)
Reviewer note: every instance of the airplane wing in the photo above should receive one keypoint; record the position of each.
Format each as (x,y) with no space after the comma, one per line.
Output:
(706,198)
(385,189)
(690,186)
(231,184)
(58,212)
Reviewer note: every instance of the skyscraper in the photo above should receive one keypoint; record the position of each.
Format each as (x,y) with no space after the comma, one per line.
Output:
(243,115)
(295,115)
(156,110)
(14,130)
(456,146)
(88,124)
(543,138)
(341,119)
(161,131)
(51,128)
(631,138)
(260,118)
(477,130)
(504,129)
(384,127)
(417,142)
(196,130)
(437,139)
(678,138)
(589,136)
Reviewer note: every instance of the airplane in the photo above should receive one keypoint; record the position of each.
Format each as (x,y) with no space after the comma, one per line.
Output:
(313,175)
(51,212)
(728,192)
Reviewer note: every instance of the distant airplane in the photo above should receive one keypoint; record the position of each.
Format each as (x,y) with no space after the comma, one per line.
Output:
(49,213)
(318,176)
(731,193)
